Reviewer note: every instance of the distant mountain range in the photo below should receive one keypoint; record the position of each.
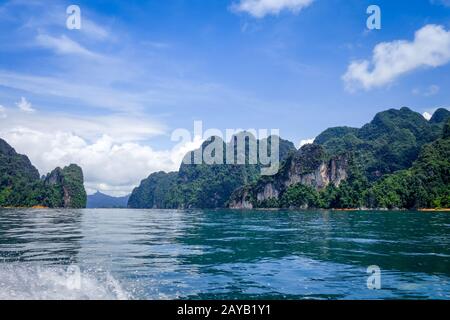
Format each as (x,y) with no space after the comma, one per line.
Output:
(100,200)
(203,185)
(398,160)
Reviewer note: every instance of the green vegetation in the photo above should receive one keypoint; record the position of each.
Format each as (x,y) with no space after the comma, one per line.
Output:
(201,185)
(425,185)
(71,183)
(20,185)
(399,160)
(300,196)
(153,192)
(390,142)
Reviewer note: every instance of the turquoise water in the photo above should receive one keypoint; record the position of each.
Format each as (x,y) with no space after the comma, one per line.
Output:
(158,254)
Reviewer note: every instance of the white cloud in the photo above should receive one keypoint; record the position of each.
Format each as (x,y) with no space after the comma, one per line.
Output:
(97,95)
(427,116)
(306,141)
(111,151)
(40,15)
(261,8)
(64,45)
(430,48)
(93,30)
(120,127)
(24,105)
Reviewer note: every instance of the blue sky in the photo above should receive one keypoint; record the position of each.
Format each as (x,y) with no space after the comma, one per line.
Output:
(137,70)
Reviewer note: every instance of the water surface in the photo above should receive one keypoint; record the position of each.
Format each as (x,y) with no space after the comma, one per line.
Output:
(222,254)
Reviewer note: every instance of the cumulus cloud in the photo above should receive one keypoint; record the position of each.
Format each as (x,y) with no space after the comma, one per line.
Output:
(306,141)
(390,60)
(261,8)
(24,105)
(113,151)
(109,166)
(427,116)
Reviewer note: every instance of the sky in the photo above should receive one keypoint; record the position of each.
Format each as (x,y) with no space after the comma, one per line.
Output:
(108,96)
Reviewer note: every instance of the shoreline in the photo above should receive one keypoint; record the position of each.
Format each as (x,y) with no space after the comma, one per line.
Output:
(33,207)
(435,210)
(259,209)
(337,209)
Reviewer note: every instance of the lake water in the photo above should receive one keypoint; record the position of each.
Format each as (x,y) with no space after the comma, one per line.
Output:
(223,254)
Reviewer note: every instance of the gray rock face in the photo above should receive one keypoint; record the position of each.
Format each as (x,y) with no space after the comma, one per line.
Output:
(309,166)
(270,191)
(241,202)
(54,177)
(333,171)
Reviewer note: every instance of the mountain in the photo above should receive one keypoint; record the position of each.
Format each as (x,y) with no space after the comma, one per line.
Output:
(425,185)
(440,116)
(207,185)
(21,186)
(353,168)
(16,165)
(390,142)
(64,188)
(99,200)
(154,192)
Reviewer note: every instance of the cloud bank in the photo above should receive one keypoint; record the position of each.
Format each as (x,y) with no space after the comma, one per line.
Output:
(110,149)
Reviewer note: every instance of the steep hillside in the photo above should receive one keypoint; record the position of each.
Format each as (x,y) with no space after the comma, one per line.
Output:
(20,185)
(367,167)
(390,142)
(205,185)
(425,185)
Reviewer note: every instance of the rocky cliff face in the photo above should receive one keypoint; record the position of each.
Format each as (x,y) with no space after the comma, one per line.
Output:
(69,183)
(309,166)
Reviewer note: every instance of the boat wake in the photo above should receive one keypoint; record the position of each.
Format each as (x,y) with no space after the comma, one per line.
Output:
(29,282)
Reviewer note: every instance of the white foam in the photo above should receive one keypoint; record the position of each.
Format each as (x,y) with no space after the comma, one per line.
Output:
(19,282)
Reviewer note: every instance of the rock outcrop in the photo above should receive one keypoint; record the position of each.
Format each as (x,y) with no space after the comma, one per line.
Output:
(69,181)
(21,185)
(309,166)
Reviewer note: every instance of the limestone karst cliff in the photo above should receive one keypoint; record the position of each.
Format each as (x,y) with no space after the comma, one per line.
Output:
(310,166)
(21,186)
